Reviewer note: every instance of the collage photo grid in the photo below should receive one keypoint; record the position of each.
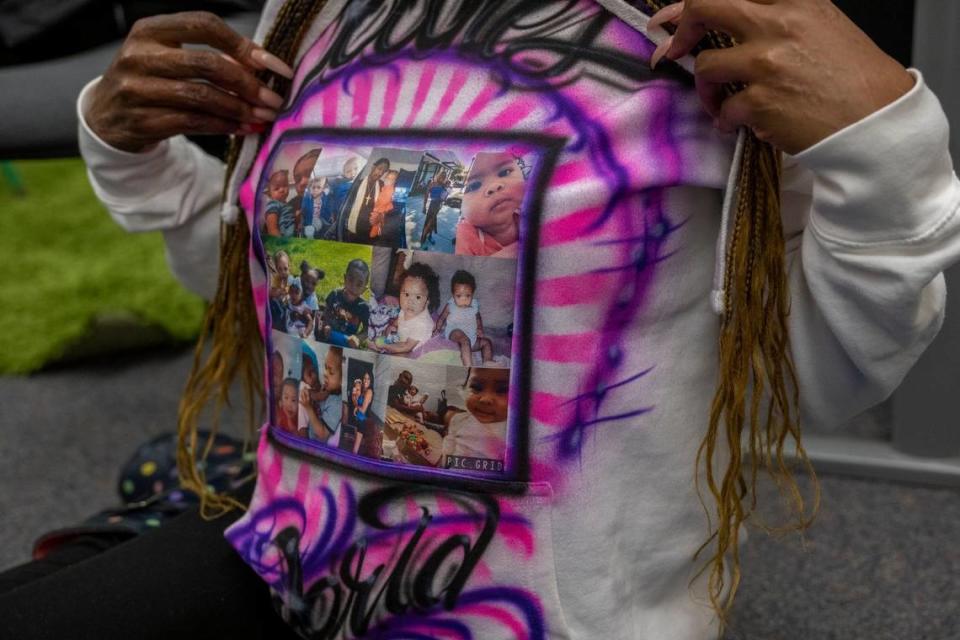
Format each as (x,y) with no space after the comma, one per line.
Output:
(392,276)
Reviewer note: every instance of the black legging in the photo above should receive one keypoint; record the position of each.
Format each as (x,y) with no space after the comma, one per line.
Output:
(181,581)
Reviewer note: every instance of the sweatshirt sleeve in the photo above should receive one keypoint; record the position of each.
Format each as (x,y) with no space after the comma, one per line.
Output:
(871,218)
(173,188)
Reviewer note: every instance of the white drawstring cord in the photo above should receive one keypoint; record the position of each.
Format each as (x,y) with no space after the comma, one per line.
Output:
(718,296)
(638,20)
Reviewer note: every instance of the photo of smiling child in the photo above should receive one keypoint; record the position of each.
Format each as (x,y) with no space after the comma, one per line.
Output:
(490,207)
(476,439)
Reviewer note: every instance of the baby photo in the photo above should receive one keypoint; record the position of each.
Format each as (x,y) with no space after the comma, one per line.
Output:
(443,309)
(490,205)
(286,203)
(447,417)
(286,361)
(328,300)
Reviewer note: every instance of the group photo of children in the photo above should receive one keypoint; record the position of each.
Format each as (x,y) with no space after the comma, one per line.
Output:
(463,202)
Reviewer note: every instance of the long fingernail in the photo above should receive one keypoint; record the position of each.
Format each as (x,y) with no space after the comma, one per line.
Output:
(660,51)
(264,114)
(272,62)
(270,98)
(668,14)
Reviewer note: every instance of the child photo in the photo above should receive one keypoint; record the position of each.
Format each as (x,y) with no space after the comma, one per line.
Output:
(329,301)
(493,196)
(447,417)
(375,208)
(321,393)
(286,200)
(416,403)
(286,360)
(443,309)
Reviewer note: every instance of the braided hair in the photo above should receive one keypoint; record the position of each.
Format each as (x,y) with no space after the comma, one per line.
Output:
(230,346)
(754,354)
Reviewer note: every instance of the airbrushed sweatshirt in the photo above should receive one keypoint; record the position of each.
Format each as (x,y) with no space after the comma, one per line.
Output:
(547,492)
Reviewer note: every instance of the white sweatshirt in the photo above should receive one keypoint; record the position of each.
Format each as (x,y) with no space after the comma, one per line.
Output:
(588,530)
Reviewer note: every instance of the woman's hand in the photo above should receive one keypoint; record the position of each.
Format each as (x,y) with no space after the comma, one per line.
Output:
(809,71)
(155,89)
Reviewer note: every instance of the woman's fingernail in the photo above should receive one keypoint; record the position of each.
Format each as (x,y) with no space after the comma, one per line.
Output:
(660,51)
(264,114)
(668,14)
(272,62)
(270,98)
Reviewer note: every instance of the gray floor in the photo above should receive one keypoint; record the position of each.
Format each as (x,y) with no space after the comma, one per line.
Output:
(882,561)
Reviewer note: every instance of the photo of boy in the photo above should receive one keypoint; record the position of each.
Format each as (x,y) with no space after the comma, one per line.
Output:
(302,170)
(460,319)
(490,207)
(338,188)
(346,314)
(311,208)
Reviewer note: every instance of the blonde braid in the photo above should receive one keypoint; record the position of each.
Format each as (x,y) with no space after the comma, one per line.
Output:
(230,345)
(754,355)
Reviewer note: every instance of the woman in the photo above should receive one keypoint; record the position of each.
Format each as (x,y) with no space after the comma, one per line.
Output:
(629,213)
(365,399)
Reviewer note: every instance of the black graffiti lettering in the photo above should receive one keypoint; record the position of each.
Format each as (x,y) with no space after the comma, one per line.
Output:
(396,601)
(423,593)
(325,598)
(504,32)
(360,611)
(351,595)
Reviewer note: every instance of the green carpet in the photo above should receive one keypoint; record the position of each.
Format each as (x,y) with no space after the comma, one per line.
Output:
(73,283)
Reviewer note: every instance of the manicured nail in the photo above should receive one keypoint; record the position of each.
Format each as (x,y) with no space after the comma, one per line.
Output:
(270,98)
(272,62)
(668,14)
(260,113)
(660,51)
